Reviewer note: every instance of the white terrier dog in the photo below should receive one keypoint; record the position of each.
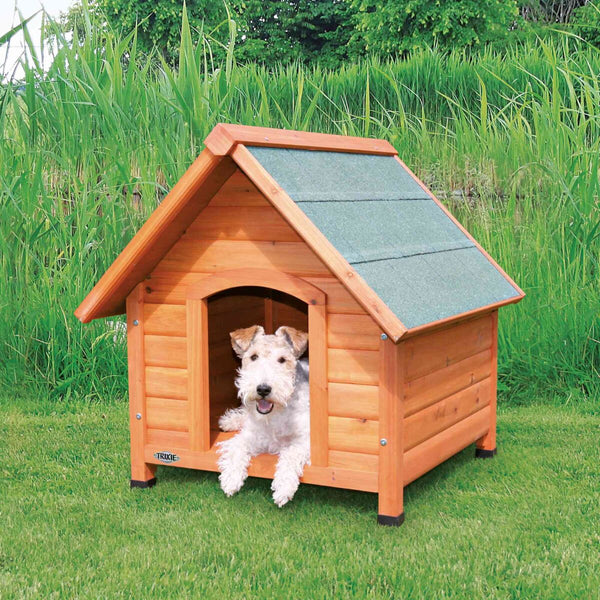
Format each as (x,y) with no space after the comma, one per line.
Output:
(274,417)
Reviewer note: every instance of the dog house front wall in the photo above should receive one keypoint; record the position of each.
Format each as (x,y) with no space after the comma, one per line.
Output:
(238,229)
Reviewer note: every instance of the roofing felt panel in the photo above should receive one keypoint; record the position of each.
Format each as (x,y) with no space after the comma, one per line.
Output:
(388,228)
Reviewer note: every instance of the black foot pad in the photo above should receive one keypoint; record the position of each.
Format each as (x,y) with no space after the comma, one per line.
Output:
(134,483)
(481,453)
(391,521)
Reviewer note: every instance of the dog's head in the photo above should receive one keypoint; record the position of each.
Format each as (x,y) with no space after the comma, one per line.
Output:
(267,376)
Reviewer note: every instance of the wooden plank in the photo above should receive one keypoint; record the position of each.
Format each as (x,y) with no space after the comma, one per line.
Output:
(165,441)
(165,351)
(269,329)
(254,276)
(353,366)
(436,450)
(261,466)
(353,435)
(317,358)
(391,429)
(358,332)
(198,389)
(165,319)
(170,288)
(443,414)
(339,299)
(140,470)
(238,190)
(163,382)
(434,351)
(354,461)
(158,234)
(488,441)
(224,137)
(353,400)
(167,414)
(214,256)
(258,223)
(290,314)
(320,245)
(424,391)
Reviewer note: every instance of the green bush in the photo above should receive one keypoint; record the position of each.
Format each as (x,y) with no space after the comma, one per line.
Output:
(389,28)
(586,22)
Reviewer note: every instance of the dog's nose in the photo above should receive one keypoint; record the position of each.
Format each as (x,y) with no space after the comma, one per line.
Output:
(263,390)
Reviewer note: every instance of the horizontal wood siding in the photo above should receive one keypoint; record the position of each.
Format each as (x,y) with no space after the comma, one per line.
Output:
(356,332)
(439,416)
(448,390)
(353,435)
(432,352)
(354,400)
(167,413)
(165,351)
(166,382)
(353,366)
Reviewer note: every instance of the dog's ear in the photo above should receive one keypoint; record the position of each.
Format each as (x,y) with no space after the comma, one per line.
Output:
(298,340)
(242,338)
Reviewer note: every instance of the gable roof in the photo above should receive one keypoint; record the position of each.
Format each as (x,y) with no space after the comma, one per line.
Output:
(362,211)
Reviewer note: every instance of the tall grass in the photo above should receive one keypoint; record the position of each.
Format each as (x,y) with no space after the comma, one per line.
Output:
(511,142)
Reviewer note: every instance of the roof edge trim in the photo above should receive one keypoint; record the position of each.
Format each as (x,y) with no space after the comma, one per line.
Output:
(156,236)
(464,316)
(224,137)
(319,244)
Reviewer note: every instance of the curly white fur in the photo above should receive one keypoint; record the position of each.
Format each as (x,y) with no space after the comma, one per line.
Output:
(271,361)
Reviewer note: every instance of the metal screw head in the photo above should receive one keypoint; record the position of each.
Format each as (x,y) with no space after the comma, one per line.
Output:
(138,416)
(383,442)
(383,336)
(136,322)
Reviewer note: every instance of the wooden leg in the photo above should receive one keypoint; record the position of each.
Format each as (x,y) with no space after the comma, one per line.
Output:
(486,446)
(391,447)
(142,475)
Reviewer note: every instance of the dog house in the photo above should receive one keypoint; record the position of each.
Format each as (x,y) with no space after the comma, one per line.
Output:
(333,235)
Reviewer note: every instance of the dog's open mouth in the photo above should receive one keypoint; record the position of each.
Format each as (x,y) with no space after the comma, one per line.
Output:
(263,406)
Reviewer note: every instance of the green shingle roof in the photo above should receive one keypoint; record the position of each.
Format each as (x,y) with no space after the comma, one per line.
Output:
(390,230)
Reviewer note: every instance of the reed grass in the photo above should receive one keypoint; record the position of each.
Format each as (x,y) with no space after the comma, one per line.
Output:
(91,144)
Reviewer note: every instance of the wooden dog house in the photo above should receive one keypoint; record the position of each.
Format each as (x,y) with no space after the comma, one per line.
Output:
(329,234)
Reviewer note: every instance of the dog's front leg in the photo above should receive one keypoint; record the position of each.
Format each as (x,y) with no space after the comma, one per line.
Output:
(290,465)
(234,459)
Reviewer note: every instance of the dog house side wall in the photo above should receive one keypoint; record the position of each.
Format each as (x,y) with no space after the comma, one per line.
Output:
(449,391)
(240,228)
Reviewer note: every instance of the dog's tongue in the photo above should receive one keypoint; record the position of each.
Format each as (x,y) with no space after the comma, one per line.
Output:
(264,406)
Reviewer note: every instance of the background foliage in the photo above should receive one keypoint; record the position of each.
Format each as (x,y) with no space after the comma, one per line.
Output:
(329,32)
(391,27)
(510,141)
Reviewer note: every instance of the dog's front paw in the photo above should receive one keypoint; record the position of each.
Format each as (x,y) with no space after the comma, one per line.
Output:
(283,492)
(231,481)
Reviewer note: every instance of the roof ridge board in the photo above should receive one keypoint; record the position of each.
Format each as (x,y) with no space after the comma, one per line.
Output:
(225,136)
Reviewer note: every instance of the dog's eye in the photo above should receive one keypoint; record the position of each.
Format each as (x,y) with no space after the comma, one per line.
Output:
(281,359)
(254,357)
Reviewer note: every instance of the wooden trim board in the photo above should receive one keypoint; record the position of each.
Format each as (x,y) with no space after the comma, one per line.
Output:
(225,136)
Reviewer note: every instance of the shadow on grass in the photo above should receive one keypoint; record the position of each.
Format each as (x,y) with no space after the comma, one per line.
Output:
(321,497)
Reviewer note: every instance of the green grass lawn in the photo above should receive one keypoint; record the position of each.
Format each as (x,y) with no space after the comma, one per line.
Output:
(524,525)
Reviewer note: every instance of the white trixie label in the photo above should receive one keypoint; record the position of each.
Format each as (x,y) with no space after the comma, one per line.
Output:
(166,457)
